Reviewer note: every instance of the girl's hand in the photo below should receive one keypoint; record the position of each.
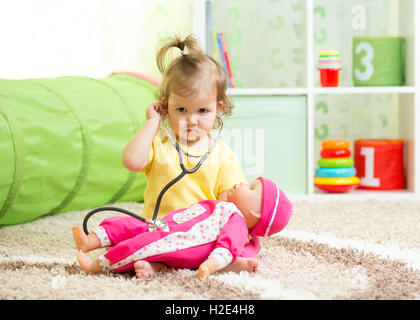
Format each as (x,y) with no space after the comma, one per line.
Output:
(154,109)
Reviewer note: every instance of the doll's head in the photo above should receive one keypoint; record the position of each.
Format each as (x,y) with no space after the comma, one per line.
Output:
(193,88)
(265,207)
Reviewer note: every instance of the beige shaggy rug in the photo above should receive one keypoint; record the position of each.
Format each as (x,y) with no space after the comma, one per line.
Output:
(331,249)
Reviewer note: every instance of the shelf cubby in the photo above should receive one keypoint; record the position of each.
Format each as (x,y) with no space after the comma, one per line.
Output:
(313,26)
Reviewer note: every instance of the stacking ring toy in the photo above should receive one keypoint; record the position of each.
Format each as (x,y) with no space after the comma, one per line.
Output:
(335,162)
(335,144)
(337,153)
(336,181)
(337,189)
(336,172)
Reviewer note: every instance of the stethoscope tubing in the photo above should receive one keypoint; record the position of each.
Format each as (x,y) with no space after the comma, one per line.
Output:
(181,162)
(91,213)
(179,149)
(160,223)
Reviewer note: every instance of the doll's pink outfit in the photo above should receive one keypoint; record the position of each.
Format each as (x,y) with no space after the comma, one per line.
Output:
(208,228)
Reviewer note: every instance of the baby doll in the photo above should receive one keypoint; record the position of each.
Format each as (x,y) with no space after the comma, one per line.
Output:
(207,235)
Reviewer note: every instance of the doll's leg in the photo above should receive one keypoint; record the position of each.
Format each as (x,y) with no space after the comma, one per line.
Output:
(85,242)
(110,232)
(87,265)
(123,256)
(117,229)
(146,269)
(241,264)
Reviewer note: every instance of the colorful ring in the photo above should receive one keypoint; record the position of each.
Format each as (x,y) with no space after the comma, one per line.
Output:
(335,172)
(335,162)
(336,67)
(335,153)
(337,181)
(329,52)
(337,189)
(335,144)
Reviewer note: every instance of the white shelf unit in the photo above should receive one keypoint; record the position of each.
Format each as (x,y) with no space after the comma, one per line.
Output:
(408,95)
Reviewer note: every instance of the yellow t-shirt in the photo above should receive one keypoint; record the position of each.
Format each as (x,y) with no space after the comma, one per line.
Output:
(219,172)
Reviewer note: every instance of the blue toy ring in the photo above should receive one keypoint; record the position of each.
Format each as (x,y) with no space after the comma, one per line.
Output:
(336,172)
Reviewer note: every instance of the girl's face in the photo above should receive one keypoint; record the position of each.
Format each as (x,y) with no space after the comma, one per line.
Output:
(192,118)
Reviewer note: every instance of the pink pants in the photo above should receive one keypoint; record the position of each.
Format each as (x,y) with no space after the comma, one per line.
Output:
(121,230)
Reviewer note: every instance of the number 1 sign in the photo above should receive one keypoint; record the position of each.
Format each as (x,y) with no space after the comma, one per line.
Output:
(379,164)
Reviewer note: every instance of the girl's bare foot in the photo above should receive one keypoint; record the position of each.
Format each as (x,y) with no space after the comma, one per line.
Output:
(86,264)
(146,269)
(83,242)
(242,264)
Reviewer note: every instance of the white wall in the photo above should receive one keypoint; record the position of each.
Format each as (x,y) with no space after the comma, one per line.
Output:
(48,38)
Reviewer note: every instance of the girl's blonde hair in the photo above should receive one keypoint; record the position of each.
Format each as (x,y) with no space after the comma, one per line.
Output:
(191,72)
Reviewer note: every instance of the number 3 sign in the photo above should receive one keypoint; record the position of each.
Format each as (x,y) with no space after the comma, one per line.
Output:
(377,61)
(365,61)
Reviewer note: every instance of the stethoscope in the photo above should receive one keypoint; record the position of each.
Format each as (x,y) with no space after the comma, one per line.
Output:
(158,223)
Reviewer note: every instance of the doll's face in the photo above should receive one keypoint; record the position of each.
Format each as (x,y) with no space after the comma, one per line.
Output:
(248,199)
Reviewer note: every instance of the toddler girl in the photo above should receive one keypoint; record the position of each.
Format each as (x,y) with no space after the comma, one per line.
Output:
(192,92)
(208,235)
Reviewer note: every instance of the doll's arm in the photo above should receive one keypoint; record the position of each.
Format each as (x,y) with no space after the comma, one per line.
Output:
(229,244)
(218,259)
(207,268)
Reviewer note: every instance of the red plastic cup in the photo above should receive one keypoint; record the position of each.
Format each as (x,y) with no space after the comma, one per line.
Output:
(329,77)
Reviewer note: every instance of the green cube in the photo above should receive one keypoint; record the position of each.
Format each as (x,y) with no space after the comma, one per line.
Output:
(377,61)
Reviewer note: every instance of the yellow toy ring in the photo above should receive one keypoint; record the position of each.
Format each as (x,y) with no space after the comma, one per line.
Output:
(335,144)
(337,181)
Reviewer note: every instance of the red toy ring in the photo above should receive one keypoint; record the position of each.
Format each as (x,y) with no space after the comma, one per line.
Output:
(336,189)
(337,153)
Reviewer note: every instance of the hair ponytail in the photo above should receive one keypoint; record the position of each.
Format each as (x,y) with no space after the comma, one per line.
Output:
(190,72)
(189,43)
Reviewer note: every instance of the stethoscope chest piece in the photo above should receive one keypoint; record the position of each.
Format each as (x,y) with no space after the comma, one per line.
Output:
(157,224)
(151,228)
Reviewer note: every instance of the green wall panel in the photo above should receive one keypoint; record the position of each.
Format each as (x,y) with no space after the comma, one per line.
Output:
(268,133)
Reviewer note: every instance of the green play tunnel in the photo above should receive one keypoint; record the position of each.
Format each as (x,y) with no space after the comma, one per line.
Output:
(61,142)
